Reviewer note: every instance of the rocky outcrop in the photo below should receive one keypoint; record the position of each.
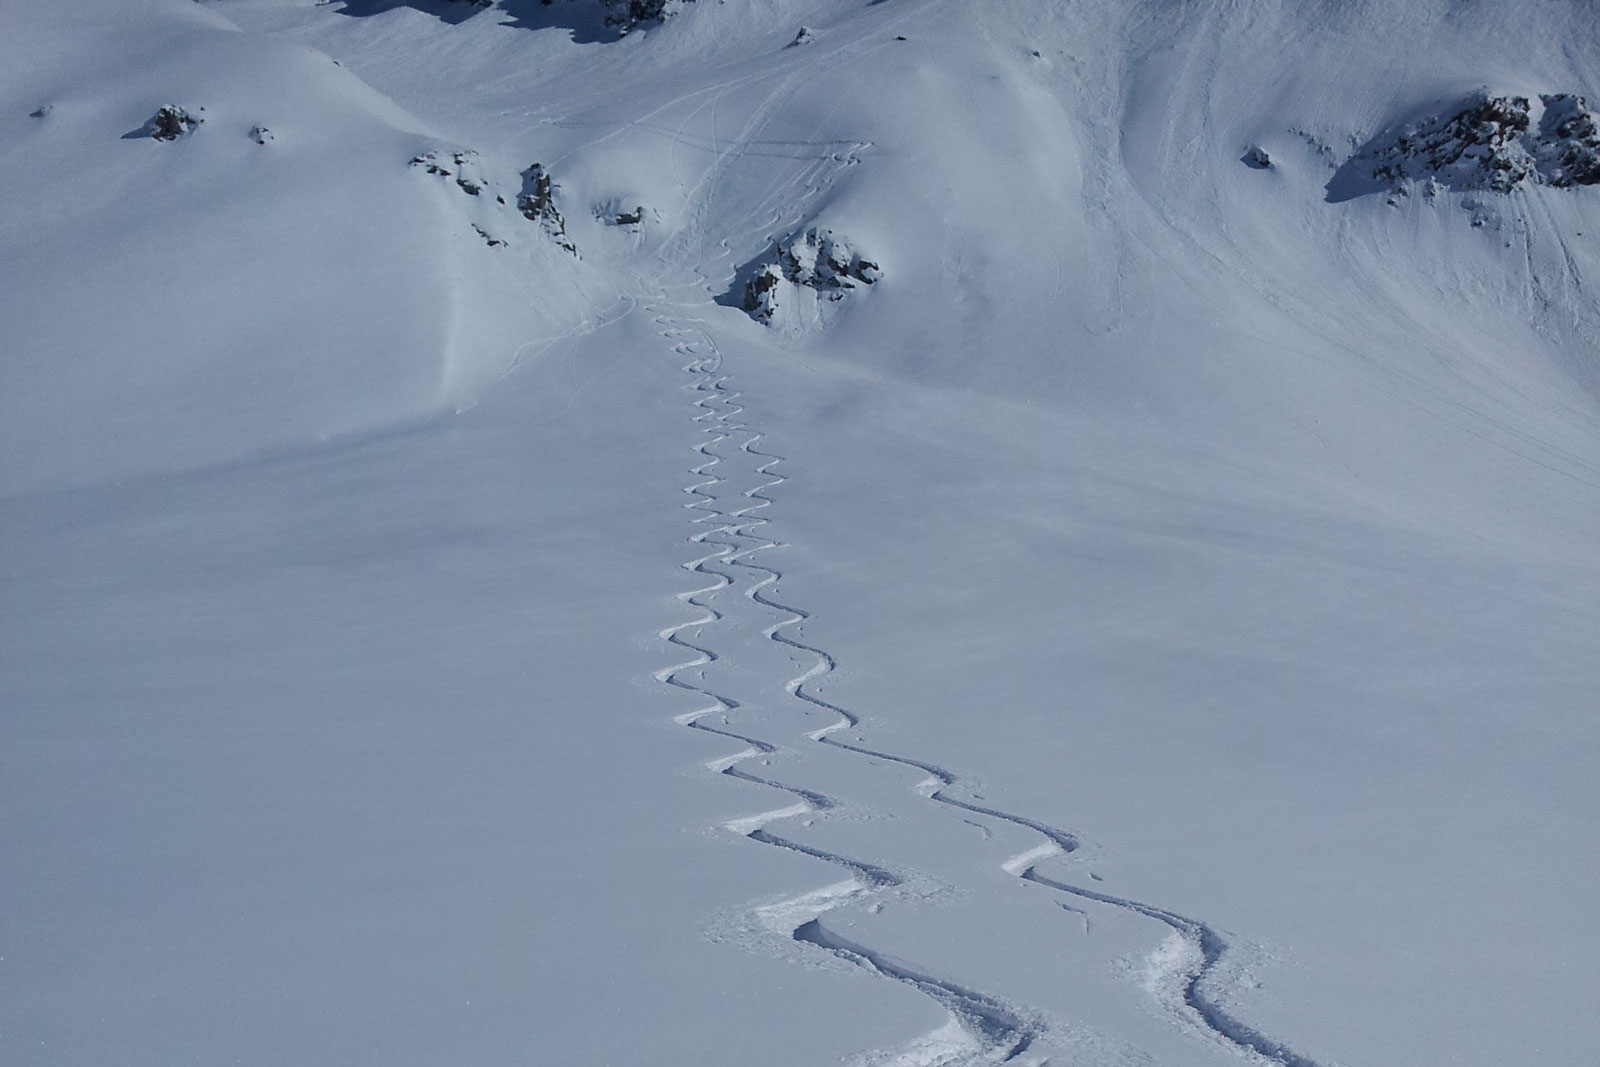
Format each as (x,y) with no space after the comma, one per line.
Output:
(1255,157)
(463,167)
(1568,151)
(537,204)
(169,123)
(816,259)
(534,202)
(626,14)
(1488,144)
(1479,147)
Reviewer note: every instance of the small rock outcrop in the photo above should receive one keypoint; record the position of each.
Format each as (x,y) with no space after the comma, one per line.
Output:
(171,122)
(535,201)
(614,214)
(626,14)
(537,204)
(461,166)
(1568,150)
(261,135)
(815,259)
(1489,144)
(1255,157)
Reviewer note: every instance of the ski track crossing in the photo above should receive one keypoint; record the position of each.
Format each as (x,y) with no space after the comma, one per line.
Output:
(727,550)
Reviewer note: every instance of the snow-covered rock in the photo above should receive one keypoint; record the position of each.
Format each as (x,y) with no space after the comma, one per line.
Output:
(626,14)
(537,204)
(1569,141)
(1491,143)
(535,201)
(1255,157)
(170,123)
(464,167)
(1480,146)
(815,259)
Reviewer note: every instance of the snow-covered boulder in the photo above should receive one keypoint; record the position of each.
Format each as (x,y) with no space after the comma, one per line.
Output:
(169,123)
(1255,157)
(1568,151)
(815,259)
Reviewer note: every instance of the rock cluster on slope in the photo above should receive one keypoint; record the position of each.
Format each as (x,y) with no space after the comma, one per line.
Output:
(626,14)
(1492,143)
(1568,150)
(816,259)
(535,202)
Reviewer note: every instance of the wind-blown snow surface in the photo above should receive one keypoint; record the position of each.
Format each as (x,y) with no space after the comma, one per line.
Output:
(1156,622)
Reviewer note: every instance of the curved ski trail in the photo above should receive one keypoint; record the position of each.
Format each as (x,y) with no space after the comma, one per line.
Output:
(994,1030)
(985,1029)
(982,1028)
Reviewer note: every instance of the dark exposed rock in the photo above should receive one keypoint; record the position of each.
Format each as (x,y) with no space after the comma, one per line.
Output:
(1569,141)
(1256,158)
(1489,144)
(1479,147)
(467,171)
(261,135)
(626,14)
(816,259)
(172,122)
(805,36)
(537,204)
(537,198)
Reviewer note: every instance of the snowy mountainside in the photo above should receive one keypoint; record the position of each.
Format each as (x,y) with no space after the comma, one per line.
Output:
(471,593)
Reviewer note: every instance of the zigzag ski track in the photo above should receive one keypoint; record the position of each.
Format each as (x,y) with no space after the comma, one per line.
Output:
(983,1028)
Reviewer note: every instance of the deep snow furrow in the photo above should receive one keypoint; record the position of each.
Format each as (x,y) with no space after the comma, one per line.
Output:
(1004,1033)
(1210,947)
(873,876)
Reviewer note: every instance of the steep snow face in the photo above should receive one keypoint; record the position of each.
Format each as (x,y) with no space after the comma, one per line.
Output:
(1153,621)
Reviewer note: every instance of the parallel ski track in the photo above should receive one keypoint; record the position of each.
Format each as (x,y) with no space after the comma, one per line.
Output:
(1000,1030)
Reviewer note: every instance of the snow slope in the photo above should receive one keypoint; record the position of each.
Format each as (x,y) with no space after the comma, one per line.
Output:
(1153,623)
